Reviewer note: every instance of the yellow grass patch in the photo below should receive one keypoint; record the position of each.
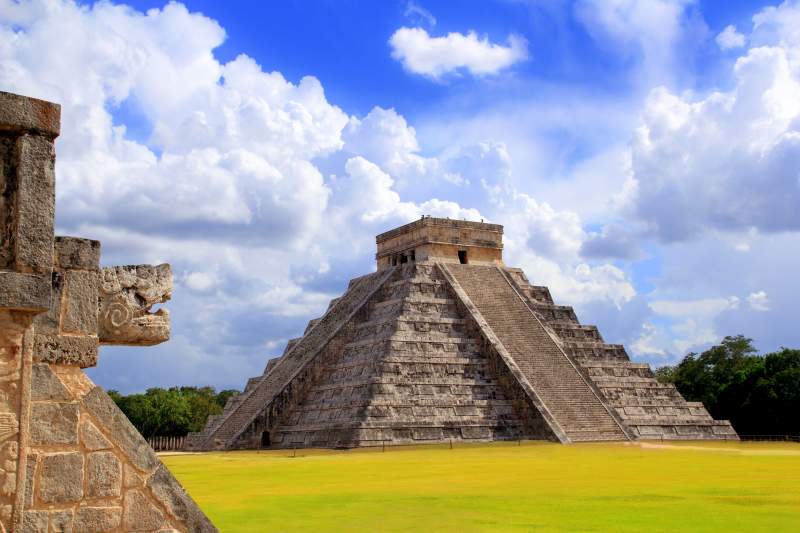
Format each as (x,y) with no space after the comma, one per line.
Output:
(501,487)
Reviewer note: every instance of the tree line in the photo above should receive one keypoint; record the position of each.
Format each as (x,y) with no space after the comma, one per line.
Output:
(759,394)
(172,412)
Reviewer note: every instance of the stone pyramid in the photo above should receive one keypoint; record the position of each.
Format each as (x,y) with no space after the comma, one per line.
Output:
(444,342)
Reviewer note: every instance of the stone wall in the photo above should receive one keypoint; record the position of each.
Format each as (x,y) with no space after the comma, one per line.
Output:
(69,458)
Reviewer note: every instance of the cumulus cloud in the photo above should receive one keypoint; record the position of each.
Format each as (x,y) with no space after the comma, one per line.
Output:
(546,243)
(730,38)
(727,161)
(384,137)
(430,56)
(758,301)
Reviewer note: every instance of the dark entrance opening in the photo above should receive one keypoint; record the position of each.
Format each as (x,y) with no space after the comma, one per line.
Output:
(403,259)
(462,257)
(265,439)
(413,255)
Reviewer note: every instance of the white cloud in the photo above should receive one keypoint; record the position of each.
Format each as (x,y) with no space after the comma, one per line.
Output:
(703,308)
(384,137)
(546,243)
(418,14)
(436,56)
(777,25)
(730,38)
(758,301)
(727,161)
(200,281)
(649,31)
(648,342)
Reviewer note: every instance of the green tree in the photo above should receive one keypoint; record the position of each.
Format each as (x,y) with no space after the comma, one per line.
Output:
(171,412)
(758,394)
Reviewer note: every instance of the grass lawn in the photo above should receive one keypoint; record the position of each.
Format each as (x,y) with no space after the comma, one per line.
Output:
(501,487)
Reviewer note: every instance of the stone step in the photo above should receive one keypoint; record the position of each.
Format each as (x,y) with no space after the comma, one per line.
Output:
(574,331)
(259,398)
(569,398)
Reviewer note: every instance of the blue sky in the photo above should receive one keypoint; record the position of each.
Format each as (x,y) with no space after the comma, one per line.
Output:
(642,155)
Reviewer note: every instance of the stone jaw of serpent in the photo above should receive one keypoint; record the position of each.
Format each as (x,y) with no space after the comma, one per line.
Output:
(127,294)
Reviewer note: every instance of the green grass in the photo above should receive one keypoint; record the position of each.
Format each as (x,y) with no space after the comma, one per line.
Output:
(501,487)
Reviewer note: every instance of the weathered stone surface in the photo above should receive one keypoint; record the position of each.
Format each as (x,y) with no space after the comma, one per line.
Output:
(35,522)
(80,313)
(54,423)
(97,519)
(172,495)
(126,296)
(61,478)
(140,514)
(76,439)
(30,477)
(91,437)
(35,204)
(114,422)
(22,113)
(45,385)
(104,473)
(66,350)
(61,521)
(50,322)
(132,478)
(77,253)
(19,290)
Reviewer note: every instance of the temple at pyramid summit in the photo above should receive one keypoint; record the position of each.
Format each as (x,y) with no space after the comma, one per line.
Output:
(445,342)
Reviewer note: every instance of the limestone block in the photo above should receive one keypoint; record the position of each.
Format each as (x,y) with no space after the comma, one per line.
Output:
(171,494)
(45,385)
(35,522)
(30,477)
(91,437)
(20,290)
(61,521)
(61,478)
(97,519)
(114,422)
(104,473)
(54,423)
(140,514)
(80,311)
(50,322)
(476,432)
(76,253)
(35,204)
(132,478)
(21,113)
(66,350)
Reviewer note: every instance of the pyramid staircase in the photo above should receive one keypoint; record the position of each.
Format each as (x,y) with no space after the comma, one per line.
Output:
(575,405)
(649,408)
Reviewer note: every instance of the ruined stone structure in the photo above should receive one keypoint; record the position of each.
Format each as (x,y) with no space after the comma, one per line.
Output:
(69,458)
(446,342)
